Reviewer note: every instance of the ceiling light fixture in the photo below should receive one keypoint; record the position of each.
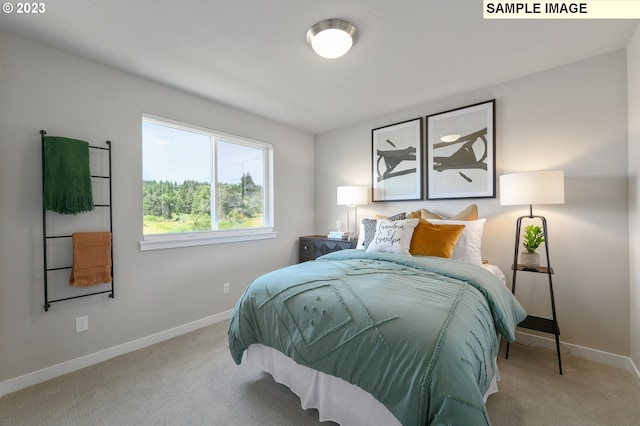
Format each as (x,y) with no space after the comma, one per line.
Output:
(332,38)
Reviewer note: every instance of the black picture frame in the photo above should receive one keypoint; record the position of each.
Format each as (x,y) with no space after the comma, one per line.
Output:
(460,153)
(396,161)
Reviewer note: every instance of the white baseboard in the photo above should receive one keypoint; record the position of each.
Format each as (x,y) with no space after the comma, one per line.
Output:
(636,373)
(595,355)
(35,377)
(47,373)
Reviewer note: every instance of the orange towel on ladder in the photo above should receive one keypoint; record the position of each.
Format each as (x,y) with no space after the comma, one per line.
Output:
(91,259)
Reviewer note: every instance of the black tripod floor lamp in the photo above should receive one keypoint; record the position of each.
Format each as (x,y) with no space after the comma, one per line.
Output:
(529,188)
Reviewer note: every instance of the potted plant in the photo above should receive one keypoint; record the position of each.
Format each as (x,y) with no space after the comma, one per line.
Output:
(533,237)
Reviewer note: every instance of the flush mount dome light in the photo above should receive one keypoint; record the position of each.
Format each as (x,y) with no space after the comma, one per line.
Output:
(331,38)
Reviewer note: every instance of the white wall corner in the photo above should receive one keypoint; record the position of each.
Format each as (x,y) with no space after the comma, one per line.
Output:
(595,355)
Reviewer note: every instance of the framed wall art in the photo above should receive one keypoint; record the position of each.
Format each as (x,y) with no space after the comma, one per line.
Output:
(397,161)
(460,153)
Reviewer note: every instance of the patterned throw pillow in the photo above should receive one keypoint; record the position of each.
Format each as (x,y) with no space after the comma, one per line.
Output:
(369,228)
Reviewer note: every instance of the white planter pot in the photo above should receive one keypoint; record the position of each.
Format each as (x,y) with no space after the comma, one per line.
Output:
(530,260)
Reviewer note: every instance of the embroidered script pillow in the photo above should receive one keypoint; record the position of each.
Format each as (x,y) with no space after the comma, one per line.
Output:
(393,236)
(368,229)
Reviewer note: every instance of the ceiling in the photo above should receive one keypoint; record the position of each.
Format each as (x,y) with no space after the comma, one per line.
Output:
(252,54)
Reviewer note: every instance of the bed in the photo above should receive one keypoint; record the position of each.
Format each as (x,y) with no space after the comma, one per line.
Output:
(377,337)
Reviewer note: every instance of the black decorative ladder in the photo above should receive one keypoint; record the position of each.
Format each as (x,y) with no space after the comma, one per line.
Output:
(46,237)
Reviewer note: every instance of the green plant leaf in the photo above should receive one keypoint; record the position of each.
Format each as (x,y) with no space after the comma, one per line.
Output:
(533,237)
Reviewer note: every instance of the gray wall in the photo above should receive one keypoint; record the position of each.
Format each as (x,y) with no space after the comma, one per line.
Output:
(633,61)
(572,118)
(43,88)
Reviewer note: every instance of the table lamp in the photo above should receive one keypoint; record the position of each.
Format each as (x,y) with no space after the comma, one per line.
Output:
(352,196)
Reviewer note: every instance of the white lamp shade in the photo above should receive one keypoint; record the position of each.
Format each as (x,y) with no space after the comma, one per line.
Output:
(541,187)
(353,195)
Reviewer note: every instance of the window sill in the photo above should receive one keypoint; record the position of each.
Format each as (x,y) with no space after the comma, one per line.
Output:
(159,242)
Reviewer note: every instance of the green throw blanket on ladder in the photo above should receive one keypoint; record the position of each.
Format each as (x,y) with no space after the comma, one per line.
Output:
(67,176)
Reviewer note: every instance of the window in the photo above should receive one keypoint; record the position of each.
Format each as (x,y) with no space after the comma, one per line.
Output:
(203,187)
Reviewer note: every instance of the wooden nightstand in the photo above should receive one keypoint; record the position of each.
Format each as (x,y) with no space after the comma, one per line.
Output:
(313,246)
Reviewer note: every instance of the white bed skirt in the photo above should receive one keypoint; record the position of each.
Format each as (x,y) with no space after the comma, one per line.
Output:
(335,399)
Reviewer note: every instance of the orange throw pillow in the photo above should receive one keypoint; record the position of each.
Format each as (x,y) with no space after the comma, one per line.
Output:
(434,240)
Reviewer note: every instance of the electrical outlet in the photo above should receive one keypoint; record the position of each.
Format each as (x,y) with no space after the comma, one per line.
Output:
(225,288)
(82,324)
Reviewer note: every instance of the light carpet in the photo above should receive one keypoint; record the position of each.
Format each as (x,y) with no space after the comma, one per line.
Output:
(192,380)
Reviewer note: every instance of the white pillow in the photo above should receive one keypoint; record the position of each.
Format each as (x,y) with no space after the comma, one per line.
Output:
(393,236)
(469,246)
(360,243)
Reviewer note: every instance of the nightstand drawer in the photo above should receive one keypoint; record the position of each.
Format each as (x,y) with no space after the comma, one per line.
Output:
(314,246)
(306,247)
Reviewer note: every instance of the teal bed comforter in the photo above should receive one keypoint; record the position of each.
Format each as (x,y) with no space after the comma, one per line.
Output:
(420,334)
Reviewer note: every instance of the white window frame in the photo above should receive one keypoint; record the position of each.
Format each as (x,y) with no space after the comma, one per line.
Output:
(199,238)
